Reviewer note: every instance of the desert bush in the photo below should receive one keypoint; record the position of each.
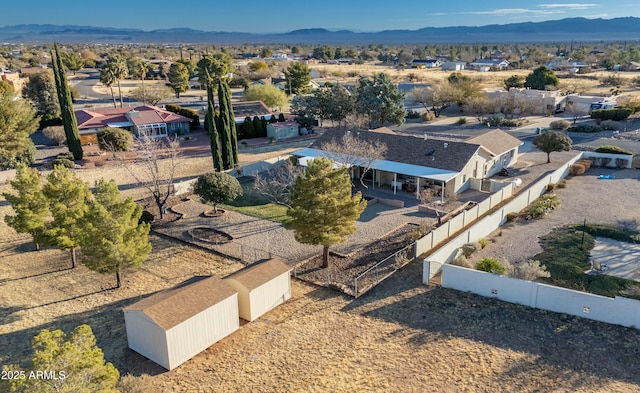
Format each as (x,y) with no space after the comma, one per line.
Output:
(585,162)
(461,121)
(56,134)
(462,261)
(510,123)
(543,205)
(559,125)
(490,265)
(612,150)
(469,248)
(428,116)
(562,183)
(133,384)
(611,80)
(511,217)
(65,159)
(494,120)
(577,170)
(146,217)
(612,114)
(115,139)
(483,243)
(585,129)
(416,234)
(610,125)
(530,270)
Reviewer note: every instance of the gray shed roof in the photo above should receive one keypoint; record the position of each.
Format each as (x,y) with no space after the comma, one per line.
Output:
(173,306)
(430,153)
(255,275)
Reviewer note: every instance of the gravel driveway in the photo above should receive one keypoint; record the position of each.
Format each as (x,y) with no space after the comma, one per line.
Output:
(613,202)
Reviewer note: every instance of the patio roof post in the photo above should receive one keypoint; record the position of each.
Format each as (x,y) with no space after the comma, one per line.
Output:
(373,187)
(395,177)
(417,187)
(442,192)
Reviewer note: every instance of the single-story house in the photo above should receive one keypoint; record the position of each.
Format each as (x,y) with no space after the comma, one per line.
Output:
(282,130)
(424,162)
(142,121)
(542,102)
(453,66)
(172,326)
(491,63)
(425,63)
(261,287)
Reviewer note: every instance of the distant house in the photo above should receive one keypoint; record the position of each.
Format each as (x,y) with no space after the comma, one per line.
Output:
(242,110)
(172,326)
(14,79)
(427,162)
(491,63)
(425,63)
(142,121)
(453,66)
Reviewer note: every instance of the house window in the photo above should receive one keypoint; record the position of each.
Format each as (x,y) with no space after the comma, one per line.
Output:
(153,130)
(464,179)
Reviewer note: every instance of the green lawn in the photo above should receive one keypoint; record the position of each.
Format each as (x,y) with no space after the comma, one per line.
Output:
(566,256)
(254,204)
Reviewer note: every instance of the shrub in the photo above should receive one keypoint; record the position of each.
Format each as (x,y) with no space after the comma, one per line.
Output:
(610,125)
(530,270)
(483,243)
(115,139)
(577,169)
(612,150)
(64,159)
(584,129)
(511,217)
(559,125)
(469,248)
(194,123)
(146,217)
(585,162)
(461,121)
(510,123)
(217,187)
(563,183)
(494,120)
(612,114)
(462,261)
(428,116)
(543,205)
(56,134)
(490,265)
(411,114)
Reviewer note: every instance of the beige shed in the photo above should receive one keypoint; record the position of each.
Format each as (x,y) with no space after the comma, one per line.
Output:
(261,287)
(173,326)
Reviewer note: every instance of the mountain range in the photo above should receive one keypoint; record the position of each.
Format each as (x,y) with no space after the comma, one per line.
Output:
(579,29)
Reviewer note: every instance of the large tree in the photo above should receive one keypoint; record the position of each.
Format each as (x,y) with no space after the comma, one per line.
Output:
(216,188)
(41,91)
(379,99)
(72,61)
(17,121)
(298,76)
(138,68)
(29,204)
(213,67)
(271,95)
(210,125)
(542,78)
(226,126)
(178,78)
(68,198)
(435,99)
(113,238)
(551,141)
(516,81)
(66,105)
(74,362)
(323,210)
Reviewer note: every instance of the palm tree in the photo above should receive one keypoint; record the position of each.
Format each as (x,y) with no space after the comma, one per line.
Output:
(142,69)
(108,78)
(118,65)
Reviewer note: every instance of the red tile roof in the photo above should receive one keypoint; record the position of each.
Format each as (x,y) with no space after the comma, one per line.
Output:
(146,114)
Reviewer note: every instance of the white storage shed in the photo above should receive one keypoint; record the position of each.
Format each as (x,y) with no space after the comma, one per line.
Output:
(261,287)
(282,130)
(173,326)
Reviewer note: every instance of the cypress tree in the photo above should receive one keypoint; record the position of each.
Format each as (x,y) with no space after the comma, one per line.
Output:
(281,117)
(66,106)
(257,127)
(234,127)
(263,125)
(210,125)
(247,128)
(225,130)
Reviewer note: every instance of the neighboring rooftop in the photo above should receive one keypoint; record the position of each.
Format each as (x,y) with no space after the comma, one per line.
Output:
(253,276)
(496,141)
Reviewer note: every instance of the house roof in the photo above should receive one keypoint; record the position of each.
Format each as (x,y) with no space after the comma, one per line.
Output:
(140,115)
(250,109)
(171,307)
(253,276)
(431,153)
(497,141)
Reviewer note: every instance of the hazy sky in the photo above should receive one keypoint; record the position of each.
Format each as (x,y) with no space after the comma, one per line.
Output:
(286,15)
